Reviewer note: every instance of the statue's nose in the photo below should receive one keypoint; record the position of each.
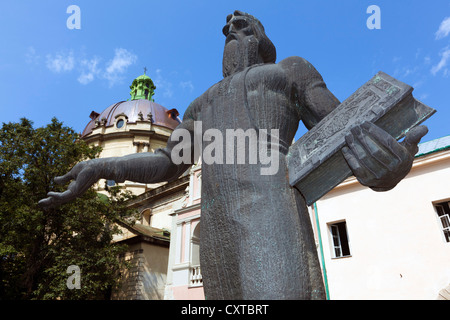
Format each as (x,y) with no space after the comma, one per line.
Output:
(226,30)
(229,28)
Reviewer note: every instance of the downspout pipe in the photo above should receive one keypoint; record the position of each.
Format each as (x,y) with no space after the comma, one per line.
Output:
(319,235)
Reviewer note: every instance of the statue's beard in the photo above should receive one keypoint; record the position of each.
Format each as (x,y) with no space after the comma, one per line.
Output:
(240,54)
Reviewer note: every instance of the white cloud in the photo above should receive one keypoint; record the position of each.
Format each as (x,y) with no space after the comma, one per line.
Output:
(418,84)
(31,57)
(61,62)
(89,70)
(86,78)
(162,85)
(118,65)
(122,59)
(407,71)
(187,85)
(423,96)
(445,56)
(444,29)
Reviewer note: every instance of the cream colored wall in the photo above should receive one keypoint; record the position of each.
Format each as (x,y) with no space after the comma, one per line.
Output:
(156,260)
(160,213)
(396,243)
(147,277)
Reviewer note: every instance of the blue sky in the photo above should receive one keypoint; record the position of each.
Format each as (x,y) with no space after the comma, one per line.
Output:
(48,70)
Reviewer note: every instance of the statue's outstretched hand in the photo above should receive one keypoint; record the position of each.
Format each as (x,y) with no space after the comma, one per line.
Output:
(84,175)
(378,160)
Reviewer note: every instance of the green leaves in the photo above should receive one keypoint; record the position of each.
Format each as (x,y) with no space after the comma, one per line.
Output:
(36,245)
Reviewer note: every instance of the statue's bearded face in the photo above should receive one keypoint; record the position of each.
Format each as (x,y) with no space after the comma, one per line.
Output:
(237,28)
(245,38)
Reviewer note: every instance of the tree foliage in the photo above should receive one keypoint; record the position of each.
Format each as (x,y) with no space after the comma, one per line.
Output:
(38,245)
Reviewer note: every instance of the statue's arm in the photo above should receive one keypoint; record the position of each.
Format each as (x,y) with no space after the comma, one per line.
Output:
(146,167)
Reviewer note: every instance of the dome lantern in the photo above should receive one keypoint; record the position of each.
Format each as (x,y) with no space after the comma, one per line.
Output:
(142,88)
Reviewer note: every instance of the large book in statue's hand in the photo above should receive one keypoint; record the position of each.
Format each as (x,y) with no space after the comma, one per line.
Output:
(316,163)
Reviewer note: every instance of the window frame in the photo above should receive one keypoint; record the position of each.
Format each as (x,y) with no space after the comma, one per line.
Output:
(337,250)
(120,123)
(443,217)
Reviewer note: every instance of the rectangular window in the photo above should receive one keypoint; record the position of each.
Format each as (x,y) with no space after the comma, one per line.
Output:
(443,212)
(339,236)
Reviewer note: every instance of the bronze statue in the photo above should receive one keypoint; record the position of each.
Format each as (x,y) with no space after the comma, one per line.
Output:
(256,235)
